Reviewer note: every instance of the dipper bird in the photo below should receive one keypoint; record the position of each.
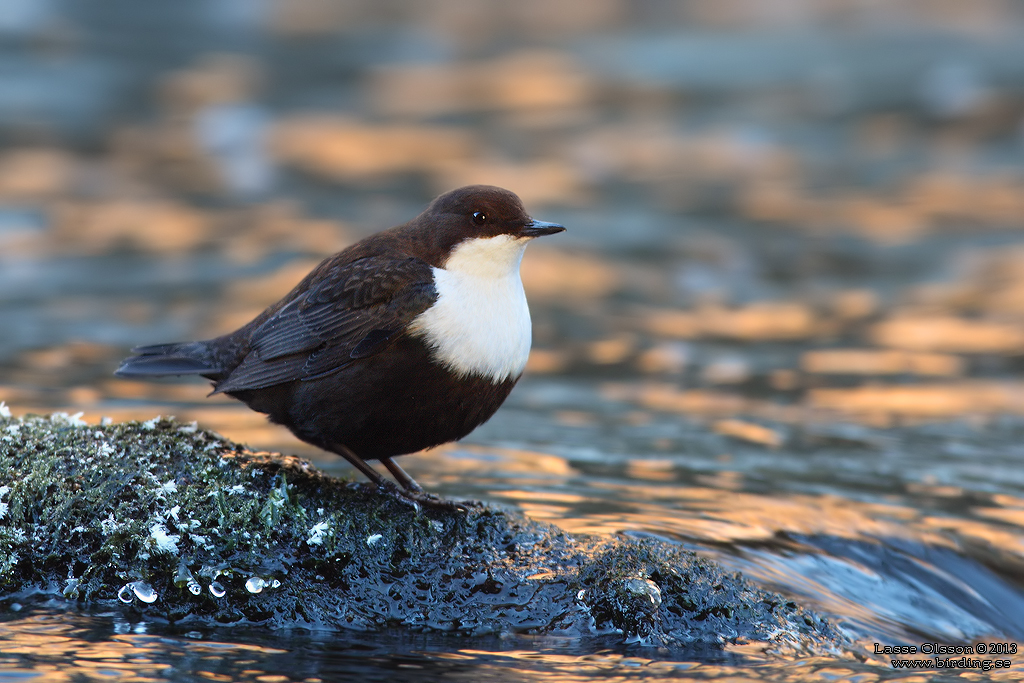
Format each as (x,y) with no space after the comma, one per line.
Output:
(405,340)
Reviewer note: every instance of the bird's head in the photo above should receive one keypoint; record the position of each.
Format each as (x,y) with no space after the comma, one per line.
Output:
(482,229)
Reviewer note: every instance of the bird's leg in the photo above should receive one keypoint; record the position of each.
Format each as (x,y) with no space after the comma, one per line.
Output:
(360,464)
(407,487)
(401,476)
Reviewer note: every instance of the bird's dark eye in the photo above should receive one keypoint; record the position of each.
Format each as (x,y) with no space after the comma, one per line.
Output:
(479,217)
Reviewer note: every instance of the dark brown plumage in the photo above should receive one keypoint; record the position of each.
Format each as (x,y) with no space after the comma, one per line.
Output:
(351,361)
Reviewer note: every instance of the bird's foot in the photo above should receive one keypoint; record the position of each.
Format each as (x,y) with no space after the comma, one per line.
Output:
(406,489)
(421,498)
(413,492)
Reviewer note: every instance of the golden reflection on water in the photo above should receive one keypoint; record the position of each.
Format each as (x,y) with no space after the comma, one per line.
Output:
(51,649)
(45,650)
(609,666)
(54,649)
(725,515)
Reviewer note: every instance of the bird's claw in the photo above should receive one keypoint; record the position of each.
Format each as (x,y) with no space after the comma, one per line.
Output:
(428,500)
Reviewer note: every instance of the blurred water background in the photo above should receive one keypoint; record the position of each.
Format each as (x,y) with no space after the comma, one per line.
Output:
(785,328)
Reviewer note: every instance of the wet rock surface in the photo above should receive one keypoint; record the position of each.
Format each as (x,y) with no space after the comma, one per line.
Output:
(176,524)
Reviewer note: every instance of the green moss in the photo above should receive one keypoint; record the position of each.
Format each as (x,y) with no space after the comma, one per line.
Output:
(89,512)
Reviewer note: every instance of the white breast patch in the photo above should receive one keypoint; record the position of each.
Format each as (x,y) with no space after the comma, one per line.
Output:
(480,323)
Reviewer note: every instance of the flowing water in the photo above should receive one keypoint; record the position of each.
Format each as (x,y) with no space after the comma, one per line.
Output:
(785,328)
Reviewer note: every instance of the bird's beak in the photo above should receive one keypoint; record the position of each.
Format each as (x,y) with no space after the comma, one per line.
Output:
(539,228)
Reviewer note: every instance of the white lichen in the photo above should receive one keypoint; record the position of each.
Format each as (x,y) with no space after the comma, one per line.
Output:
(4,490)
(72,420)
(317,533)
(201,541)
(162,541)
(111,526)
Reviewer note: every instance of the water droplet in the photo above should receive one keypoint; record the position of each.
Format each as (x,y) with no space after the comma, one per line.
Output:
(144,592)
(275,584)
(255,584)
(184,576)
(125,595)
(194,587)
(217,590)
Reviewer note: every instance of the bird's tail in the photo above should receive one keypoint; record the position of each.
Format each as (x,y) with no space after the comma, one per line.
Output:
(189,358)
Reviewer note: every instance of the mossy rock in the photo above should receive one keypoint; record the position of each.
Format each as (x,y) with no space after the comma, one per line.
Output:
(178,524)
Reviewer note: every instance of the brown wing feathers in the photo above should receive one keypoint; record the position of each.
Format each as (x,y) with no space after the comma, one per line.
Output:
(352,313)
